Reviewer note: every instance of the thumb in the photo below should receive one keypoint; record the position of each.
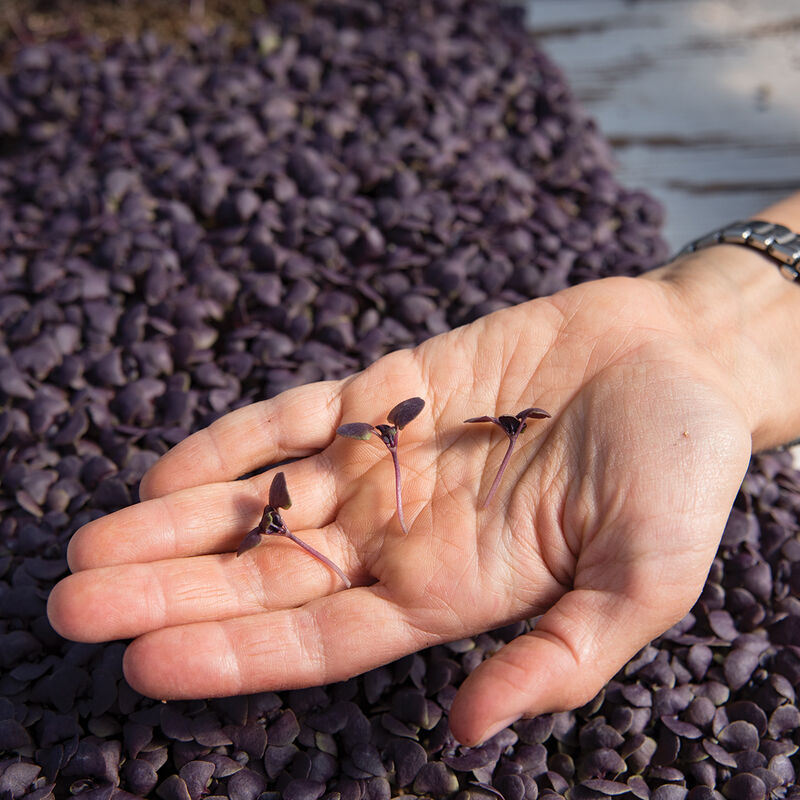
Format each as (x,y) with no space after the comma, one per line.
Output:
(574,650)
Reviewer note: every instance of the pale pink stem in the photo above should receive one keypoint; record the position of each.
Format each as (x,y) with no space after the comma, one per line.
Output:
(503,465)
(397,492)
(324,559)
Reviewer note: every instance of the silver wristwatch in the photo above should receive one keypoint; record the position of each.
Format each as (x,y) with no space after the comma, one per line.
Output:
(776,241)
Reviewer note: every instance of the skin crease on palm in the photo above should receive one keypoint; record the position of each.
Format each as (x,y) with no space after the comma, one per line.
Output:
(604,525)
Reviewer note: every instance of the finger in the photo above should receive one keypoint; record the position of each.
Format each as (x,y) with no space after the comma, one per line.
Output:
(213,518)
(574,650)
(293,424)
(325,641)
(138,598)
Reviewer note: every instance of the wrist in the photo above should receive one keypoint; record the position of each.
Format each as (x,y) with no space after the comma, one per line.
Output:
(737,306)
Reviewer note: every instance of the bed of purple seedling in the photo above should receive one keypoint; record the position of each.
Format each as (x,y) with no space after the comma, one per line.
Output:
(183,232)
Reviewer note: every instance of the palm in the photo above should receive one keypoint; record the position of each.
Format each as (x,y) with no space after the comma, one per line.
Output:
(607,517)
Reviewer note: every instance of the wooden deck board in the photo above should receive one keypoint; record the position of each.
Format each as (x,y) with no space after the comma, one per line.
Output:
(699,98)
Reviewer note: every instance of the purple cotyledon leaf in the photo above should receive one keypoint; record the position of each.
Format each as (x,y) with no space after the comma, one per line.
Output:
(356,430)
(405,411)
(278,493)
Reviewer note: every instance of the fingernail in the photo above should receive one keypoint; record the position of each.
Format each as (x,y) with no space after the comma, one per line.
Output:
(493,730)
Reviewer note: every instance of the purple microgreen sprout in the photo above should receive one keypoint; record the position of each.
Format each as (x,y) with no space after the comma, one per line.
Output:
(398,418)
(512,427)
(272,524)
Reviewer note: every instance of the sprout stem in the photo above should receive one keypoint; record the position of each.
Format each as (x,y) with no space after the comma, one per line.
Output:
(393,451)
(324,559)
(503,465)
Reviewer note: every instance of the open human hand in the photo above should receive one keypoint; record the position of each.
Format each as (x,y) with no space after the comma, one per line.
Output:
(604,524)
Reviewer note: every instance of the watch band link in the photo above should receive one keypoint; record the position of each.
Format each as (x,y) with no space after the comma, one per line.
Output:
(776,241)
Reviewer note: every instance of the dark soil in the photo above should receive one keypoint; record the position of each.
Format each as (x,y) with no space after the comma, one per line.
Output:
(28,21)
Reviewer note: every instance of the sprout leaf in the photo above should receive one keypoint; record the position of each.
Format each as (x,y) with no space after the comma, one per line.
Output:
(278,493)
(536,413)
(249,541)
(356,430)
(404,412)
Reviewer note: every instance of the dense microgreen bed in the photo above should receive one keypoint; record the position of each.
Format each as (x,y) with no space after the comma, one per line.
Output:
(183,233)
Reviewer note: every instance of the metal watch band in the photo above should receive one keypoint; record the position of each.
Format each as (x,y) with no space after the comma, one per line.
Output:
(776,241)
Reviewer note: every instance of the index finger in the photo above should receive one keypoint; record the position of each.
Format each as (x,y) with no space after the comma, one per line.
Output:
(293,424)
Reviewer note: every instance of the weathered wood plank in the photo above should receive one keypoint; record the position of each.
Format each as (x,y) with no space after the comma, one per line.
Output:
(697,97)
